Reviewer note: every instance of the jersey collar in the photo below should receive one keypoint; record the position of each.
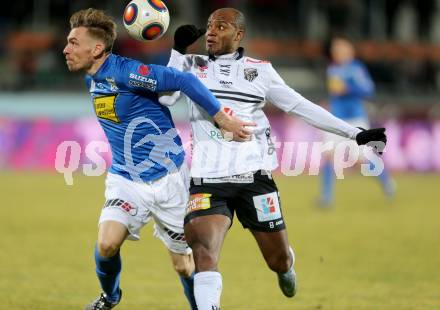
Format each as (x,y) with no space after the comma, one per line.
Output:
(106,64)
(233,56)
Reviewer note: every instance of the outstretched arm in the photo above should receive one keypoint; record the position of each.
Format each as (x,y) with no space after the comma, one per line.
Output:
(293,103)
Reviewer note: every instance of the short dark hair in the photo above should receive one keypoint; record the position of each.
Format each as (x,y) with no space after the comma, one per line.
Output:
(99,25)
(240,20)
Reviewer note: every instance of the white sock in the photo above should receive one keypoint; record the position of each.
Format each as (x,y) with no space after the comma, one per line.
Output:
(207,290)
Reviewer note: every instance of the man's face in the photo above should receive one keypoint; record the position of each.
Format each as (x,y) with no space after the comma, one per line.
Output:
(222,35)
(342,51)
(80,50)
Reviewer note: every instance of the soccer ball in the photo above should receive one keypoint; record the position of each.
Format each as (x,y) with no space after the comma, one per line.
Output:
(146,20)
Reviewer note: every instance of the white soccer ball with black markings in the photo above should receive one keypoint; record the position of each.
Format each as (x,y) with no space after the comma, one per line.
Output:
(146,20)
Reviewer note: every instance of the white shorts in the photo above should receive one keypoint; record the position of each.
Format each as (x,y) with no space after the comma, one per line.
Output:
(356,122)
(133,204)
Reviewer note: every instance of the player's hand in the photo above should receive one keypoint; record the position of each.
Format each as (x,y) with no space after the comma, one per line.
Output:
(233,128)
(376,135)
(185,36)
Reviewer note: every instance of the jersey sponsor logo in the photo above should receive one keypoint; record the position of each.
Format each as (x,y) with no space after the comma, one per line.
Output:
(225,84)
(202,74)
(271,145)
(143,70)
(112,83)
(244,178)
(142,81)
(105,108)
(216,134)
(125,206)
(250,74)
(142,85)
(268,207)
(278,223)
(100,85)
(198,202)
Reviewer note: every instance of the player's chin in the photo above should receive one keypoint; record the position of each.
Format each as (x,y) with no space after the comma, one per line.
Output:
(71,67)
(212,50)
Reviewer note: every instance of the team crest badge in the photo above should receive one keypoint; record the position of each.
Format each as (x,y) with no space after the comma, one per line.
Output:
(250,74)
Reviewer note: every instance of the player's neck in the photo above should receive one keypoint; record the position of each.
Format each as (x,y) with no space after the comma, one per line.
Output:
(226,54)
(97,64)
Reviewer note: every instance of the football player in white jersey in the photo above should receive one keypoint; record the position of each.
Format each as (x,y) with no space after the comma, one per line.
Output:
(230,178)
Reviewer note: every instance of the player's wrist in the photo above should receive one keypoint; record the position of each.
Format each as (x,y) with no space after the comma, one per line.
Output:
(221,118)
(375,137)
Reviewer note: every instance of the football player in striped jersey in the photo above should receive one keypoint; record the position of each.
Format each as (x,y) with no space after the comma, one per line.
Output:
(230,178)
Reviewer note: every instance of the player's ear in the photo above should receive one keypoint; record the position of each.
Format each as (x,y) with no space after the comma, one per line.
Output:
(239,36)
(99,49)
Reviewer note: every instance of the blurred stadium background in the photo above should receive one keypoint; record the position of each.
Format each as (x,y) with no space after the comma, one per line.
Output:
(366,253)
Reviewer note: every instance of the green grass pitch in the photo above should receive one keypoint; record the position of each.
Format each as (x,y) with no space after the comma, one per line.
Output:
(365,253)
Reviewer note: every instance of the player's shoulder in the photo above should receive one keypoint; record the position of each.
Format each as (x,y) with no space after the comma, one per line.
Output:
(357,64)
(256,62)
(262,68)
(129,66)
(122,66)
(121,62)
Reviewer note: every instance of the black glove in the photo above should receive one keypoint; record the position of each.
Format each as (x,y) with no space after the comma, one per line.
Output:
(185,36)
(371,135)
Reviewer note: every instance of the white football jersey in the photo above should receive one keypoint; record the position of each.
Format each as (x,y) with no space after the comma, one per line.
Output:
(244,85)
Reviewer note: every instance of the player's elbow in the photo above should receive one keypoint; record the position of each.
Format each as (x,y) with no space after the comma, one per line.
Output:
(190,78)
(186,81)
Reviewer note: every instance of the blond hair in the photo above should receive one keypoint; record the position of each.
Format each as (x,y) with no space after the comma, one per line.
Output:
(98,24)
